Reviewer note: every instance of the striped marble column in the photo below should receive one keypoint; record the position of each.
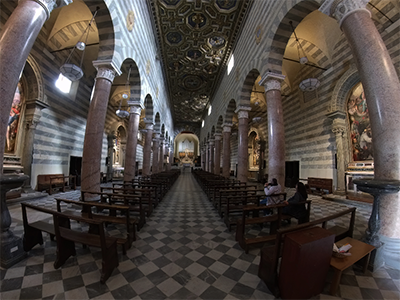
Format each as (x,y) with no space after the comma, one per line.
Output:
(93,143)
(147,148)
(131,141)
(243,116)
(226,161)
(276,130)
(382,89)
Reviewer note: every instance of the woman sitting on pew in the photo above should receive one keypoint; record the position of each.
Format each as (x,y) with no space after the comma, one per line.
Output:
(293,209)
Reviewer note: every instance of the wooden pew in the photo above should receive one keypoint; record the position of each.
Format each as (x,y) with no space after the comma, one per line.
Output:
(51,182)
(135,203)
(319,186)
(87,212)
(66,237)
(251,216)
(269,261)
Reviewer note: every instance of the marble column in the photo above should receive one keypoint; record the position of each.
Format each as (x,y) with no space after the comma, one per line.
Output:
(202,157)
(33,112)
(131,141)
(243,129)
(382,88)
(217,154)
(166,154)
(171,158)
(207,150)
(161,155)
(147,148)
(156,148)
(211,156)
(226,162)
(276,130)
(18,35)
(93,143)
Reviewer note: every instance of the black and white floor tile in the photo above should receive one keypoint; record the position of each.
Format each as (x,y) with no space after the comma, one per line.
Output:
(184,251)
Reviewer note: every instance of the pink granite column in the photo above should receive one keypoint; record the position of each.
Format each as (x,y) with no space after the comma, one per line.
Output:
(147,148)
(217,154)
(171,157)
(226,161)
(17,38)
(211,156)
(382,89)
(207,150)
(93,143)
(161,157)
(202,157)
(276,130)
(131,141)
(156,148)
(243,128)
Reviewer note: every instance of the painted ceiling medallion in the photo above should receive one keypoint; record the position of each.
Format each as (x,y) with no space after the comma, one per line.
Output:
(258,34)
(192,82)
(197,20)
(174,37)
(226,4)
(216,41)
(194,54)
(130,20)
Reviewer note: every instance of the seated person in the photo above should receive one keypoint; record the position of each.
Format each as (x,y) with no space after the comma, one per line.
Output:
(270,189)
(297,211)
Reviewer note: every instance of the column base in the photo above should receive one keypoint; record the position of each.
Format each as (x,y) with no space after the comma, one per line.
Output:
(12,250)
(388,254)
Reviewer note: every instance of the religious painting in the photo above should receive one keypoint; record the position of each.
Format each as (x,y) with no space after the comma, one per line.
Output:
(360,127)
(13,121)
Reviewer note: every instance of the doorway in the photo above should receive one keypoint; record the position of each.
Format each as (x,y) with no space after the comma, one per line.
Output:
(292,171)
(75,168)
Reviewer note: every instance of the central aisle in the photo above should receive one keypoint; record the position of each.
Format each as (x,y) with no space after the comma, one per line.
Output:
(185,252)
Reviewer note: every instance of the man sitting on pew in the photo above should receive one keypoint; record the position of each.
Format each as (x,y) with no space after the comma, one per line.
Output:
(270,189)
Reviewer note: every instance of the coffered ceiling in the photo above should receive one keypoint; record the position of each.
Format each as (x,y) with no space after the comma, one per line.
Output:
(195,40)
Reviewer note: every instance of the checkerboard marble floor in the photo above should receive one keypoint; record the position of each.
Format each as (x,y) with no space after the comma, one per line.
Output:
(184,251)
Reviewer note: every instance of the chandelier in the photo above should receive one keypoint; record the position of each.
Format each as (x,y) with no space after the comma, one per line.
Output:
(308,84)
(70,70)
(125,96)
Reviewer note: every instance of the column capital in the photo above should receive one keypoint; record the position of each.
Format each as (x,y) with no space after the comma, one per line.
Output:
(227,127)
(243,111)
(106,69)
(211,142)
(341,9)
(135,103)
(218,136)
(135,108)
(338,130)
(156,137)
(271,81)
(49,5)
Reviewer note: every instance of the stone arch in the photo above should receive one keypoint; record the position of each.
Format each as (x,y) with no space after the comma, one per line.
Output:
(157,123)
(341,91)
(281,35)
(245,93)
(230,111)
(218,128)
(148,106)
(162,131)
(107,34)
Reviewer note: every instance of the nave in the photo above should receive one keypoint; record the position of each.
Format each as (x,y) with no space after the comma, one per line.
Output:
(184,251)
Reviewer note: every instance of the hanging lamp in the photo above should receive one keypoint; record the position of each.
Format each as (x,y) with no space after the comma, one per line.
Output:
(125,95)
(70,70)
(308,84)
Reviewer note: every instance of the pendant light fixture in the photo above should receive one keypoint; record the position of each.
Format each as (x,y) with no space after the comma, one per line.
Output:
(308,84)
(70,70)
(125,96)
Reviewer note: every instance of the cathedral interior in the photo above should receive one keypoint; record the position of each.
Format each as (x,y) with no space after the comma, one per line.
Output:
(104,92)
